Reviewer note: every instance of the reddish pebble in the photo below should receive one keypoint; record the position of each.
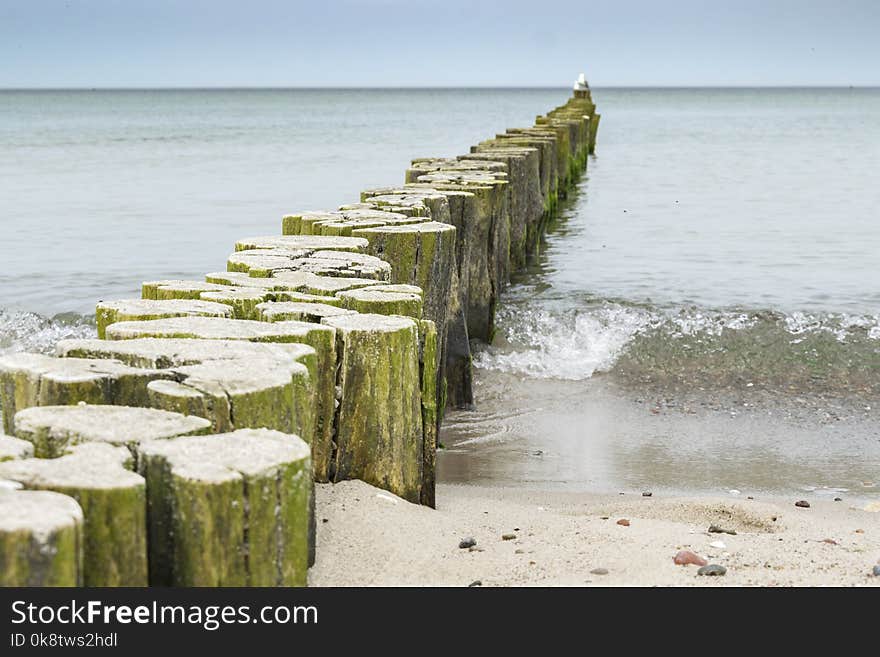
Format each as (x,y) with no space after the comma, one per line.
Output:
(685,557)
(830,541)
(623,522)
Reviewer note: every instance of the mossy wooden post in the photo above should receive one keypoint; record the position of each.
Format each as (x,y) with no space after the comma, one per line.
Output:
(542,140)
(431,410)
(319,337)
(383,302)
(229,509)
(53,430)
(40,539)
(266,263)
(113,502)
(379,422)
(28,380)
(299,311)
(422,255)
(526,202)
(513,168)
(177,289)
(109,312)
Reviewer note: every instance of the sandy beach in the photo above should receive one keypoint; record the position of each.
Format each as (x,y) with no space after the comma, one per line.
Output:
(367,537)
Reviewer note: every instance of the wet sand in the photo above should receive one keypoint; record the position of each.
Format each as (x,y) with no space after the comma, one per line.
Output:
(604,436)
(558,463)
(367,537)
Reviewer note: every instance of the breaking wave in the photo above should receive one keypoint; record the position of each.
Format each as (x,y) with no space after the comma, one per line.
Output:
(25,331)
(688,345)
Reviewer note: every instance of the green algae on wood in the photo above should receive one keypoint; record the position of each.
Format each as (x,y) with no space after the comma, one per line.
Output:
(14,448)
(431,407)
(289,285)
(38,380)
(379,424)
(321,338)
(109,312)
(249,393)
(241,303)
(163,353)
(113,502)
(309,243)
(423,255)
(264,263)
(229,509)
(177,289)
(299,311)
(379,302)
(40,539)
(55,429)
(233,383)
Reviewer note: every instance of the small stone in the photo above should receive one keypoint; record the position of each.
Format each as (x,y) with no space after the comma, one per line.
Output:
(647,493)
(838,499)
(466,543)
(519,551)
(686,557)
(718,545)
(876,571)
(803,504)
(623,522)
(508,537)
(830,541)
(475,583)
(474,548)
(599,571)
(715,529)
(325,519)
(604,517)
(712,570)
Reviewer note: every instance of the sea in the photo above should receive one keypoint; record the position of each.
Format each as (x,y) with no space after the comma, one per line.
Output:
(702,317)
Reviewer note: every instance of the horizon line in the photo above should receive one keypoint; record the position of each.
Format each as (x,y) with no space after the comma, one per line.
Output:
(439,87)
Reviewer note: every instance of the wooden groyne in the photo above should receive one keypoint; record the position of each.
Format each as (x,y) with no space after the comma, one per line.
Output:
(181,446)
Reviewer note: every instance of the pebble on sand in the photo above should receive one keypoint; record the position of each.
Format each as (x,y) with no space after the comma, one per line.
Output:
(623,522)
(647,493)
(508,537)
(712,570)
(803,504)
(599,571)
(475,584)
(686,557)
(715,529)
(467,543)
(876,571)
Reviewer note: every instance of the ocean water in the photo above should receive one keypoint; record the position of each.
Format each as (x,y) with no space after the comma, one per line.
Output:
(101,190)
(709,213)
(704,314)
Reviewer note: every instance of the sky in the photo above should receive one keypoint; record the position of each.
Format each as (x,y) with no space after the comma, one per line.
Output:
(381,43)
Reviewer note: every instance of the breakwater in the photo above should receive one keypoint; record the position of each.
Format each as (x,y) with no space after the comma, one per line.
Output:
(180,448)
